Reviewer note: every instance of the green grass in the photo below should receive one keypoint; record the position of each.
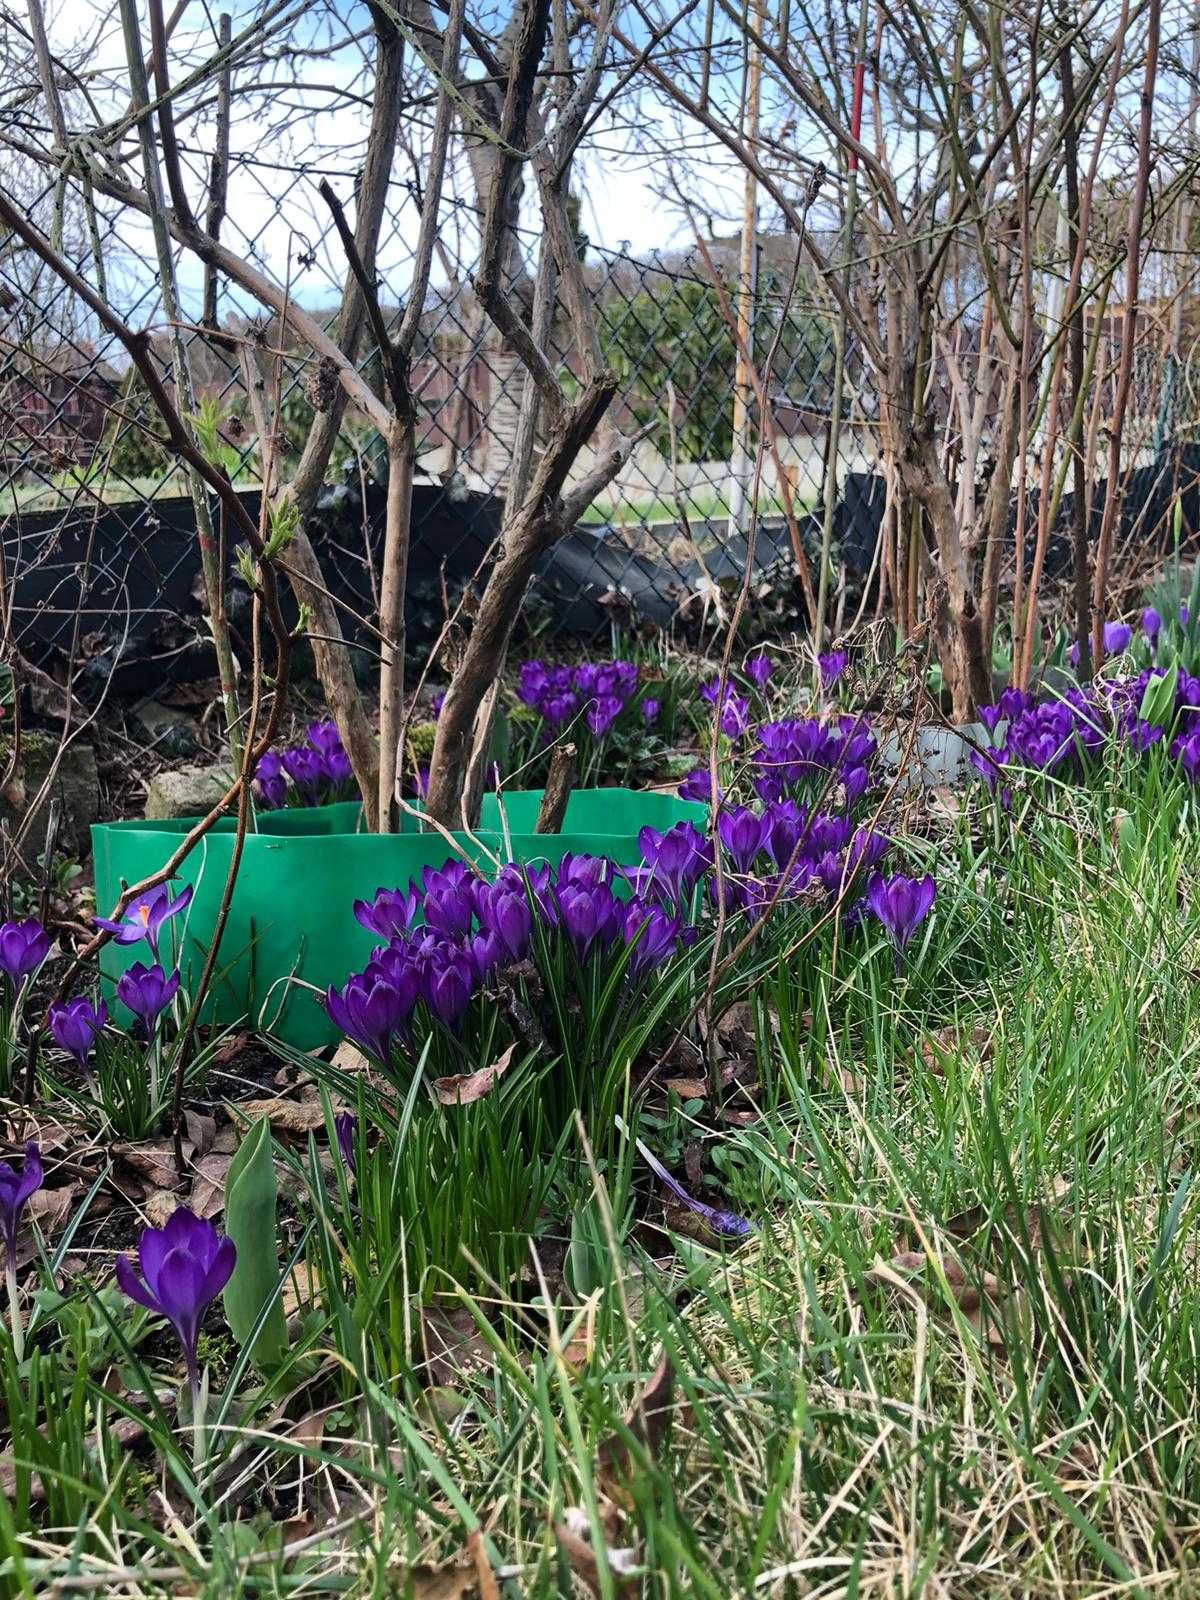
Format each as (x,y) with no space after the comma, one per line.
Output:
(958,1357)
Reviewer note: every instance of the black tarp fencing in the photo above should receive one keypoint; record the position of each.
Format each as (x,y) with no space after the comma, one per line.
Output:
(122,589)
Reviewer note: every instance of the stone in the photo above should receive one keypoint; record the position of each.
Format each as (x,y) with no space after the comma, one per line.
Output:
(185,792)
(76,786)
(172,732)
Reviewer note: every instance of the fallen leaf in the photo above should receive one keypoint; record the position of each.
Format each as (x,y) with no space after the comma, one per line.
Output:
(50,1208)
(227,1141)
(698,1088)
(123,1430)
(693,1162)
(466,1087)
(298,1289)
(489,1589)
(574,1535)
(648,1420)
(952,1043)
(229,1050)
(154,1159)
(349,1058)
(454,1345)
(207,1198)
(158,1206)
(979,1298)
(202,1130)
(285,1116)
(310,1430)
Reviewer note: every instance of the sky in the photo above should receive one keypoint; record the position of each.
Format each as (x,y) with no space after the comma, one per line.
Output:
(281,223)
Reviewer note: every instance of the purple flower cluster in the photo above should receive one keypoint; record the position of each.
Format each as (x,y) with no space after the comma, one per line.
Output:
(803,753)
(314,773)
(785,852)
(146,990)
(600,689)
(733,709)
(1064,734)
(473,928)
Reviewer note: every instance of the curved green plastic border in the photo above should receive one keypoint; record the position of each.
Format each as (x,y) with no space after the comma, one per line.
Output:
(291,913)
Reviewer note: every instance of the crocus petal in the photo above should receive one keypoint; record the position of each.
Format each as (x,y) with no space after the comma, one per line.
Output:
(131,1285)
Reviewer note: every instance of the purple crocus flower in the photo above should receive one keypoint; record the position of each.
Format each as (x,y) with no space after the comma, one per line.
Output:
(336,769)
(741,832)
(325,738)
(448,981)
(1116,637)
(650,711)
(675,861)
(900,904)
(1186,750)
(304,767)
(270,781)
(758,669)
(486,955)
(735,716)
(184,1266)
(656,933)
(783,824)
(23,948)
(15,1189)
(147,992)
(506,914)
(723,1222)
(390,914)
(831,665)
(1151,626)
(344,1126)
(373,1006)
(1183,615)
(697,786)
(449,908)
(602,713)
(143,917)
(75,1025)
(588,916)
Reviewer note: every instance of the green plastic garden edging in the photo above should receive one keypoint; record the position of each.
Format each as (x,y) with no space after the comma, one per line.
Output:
(291,917)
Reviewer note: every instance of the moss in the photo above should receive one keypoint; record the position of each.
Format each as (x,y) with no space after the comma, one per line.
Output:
(420,742)
(34,746)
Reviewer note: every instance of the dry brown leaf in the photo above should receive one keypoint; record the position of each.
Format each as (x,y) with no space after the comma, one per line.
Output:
(50,1208)
(978,1298)
(489,1589)
(466,1087)
(207,1198)
(285,1116)
(437,1583)
(310,1430)
(154,1159)
(453,1344)
(230,1050)
(349,1058)
(951,1041)
(227,1140)
(298,1289)
(574,1535)
(693,1162)
(698,1088)
(123,1430)
(201,1130)
(648,1420)
(158,1206)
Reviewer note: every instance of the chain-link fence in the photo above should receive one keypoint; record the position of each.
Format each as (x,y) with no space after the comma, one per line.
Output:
(98,509)
(98,528)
